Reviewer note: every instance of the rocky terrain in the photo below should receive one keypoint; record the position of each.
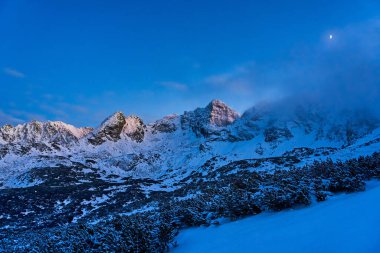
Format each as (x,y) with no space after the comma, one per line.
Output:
(55,175)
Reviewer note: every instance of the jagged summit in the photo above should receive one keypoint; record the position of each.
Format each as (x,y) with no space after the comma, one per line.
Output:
(38,132)
(110,129)
(134,128)
(216,102)
(125,166)
(272,124)
(203,121)
(166,124)
(118,126)
(113,119)
(220,113)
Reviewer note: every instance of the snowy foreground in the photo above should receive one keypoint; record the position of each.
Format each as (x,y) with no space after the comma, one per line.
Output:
(347,223)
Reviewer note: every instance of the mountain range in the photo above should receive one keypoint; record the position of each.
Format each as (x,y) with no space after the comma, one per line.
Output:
(52,173)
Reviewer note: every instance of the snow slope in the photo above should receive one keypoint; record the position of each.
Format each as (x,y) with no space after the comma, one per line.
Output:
(350,223)
(172,148)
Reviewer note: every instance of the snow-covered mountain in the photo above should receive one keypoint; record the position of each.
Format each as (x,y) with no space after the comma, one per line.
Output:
(175,146)
(39,137)
(42,132)
(54,173)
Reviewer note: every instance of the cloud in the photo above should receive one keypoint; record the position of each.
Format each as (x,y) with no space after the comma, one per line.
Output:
(196,65)
(238,81)
(342,73)
(6,118)
(63,110)
(25,116)
(14,73)
(73,108)
(174,85)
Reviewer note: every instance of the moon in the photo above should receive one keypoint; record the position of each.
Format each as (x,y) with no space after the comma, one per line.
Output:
(330,36)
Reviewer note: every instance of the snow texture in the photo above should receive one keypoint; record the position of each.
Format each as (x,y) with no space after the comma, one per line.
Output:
(346,223)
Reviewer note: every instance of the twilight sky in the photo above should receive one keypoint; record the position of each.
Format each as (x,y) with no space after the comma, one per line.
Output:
(80,61)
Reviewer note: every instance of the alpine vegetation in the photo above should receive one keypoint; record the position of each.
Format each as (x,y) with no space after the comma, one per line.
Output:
(127,186)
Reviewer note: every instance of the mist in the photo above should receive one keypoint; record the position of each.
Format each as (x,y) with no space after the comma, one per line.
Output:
(342,73)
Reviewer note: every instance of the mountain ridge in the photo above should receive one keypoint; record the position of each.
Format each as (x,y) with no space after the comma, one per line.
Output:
(210,159)
(127,146)
(203,121)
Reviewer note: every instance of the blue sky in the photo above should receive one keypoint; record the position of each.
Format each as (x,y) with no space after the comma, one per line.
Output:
(80,61)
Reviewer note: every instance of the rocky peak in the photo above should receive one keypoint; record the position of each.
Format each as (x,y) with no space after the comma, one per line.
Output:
(165,125)
(6,127)
(204,121)
(134,128)
(60,127)
(115,119)
(5,133)
(110,129)
(220,114)
(46,133)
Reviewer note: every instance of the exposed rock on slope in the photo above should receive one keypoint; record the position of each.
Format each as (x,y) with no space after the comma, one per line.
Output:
(208,163)
(205,121)
(110,129)
(134,128)
(273,129)
(42,132)
(220,114)
(165,125)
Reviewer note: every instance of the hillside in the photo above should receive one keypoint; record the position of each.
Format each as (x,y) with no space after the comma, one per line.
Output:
(177,172)
(346,223)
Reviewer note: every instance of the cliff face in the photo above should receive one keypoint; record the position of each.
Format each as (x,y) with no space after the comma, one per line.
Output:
(110,129)
(53,173)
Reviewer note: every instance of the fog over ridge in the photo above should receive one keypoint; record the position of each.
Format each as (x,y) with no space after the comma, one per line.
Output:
(341,74)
